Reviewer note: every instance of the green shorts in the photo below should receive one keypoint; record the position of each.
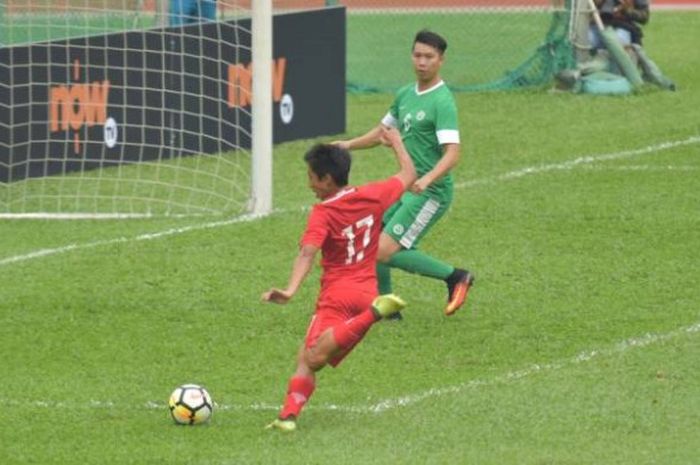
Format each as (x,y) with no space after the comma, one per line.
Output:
(409,219)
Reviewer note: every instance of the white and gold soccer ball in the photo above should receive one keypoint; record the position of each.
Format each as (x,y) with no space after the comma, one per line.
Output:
(190,404)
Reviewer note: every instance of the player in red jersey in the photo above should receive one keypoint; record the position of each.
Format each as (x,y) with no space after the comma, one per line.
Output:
(345,226)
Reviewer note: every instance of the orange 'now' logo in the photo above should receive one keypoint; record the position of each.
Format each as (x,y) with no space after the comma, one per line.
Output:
(78,105)
(240,80)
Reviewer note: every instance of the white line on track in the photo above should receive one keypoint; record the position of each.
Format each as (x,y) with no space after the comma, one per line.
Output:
(409,399)
(511,175)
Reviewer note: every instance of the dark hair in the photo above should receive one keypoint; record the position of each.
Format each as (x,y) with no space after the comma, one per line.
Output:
(431,38)
(329,159)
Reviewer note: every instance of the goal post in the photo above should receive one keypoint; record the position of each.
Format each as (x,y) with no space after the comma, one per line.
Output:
(126,108)
(262,107)
(116,108)
(112,108)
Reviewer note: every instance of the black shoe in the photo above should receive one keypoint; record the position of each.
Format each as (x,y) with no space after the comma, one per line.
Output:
(458,284)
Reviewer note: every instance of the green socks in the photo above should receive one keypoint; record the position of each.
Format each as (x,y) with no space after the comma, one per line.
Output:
(384,278)
(412,261)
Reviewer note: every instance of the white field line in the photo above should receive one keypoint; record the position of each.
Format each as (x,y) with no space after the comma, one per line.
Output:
(585,356)
(409,399)
(681,168)
(141,237)
(509,176)
(578,162)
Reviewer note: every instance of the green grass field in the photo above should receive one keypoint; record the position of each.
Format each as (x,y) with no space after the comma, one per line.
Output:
(26,28)
(482,46)
(579,345)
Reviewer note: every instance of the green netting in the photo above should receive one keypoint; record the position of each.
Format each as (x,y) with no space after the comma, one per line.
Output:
(493,44)
(554,55)
(490,48)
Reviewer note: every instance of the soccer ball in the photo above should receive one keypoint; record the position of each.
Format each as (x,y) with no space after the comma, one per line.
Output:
(190,404)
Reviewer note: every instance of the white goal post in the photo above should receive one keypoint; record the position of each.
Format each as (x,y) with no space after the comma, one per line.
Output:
(127,108)
(262,107)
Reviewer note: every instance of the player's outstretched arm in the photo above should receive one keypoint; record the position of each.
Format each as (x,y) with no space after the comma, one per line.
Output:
(407,170)
(302,265)
(365,141)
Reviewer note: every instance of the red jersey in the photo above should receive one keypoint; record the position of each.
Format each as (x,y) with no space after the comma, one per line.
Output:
(346,228)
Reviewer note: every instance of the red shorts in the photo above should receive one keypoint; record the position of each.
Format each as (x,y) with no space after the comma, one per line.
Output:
(335,307)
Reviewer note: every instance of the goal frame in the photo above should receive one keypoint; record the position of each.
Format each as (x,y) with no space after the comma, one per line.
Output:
(261,195)
(260,198)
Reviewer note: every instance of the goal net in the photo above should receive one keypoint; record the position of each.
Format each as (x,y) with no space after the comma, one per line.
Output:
(114,108)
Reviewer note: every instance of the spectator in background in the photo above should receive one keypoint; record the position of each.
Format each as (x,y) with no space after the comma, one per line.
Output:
(625,16)
(184,12)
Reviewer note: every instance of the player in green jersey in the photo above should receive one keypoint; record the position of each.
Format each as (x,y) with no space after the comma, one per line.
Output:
(426,115)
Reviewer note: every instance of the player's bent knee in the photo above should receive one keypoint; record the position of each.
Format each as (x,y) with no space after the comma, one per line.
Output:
(387,248)
(314,359)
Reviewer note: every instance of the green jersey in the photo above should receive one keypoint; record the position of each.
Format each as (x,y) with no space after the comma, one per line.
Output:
(426,120)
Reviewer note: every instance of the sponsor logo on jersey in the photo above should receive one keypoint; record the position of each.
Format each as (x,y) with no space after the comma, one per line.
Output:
(407,122)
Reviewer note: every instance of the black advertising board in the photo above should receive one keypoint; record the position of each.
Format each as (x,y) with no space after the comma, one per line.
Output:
(105,100)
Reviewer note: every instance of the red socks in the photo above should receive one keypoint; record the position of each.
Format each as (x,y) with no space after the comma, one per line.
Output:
(298,393)
(349,333)
(346,336)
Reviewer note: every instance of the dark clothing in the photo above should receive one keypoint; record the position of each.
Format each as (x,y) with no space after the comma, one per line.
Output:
(629,19)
